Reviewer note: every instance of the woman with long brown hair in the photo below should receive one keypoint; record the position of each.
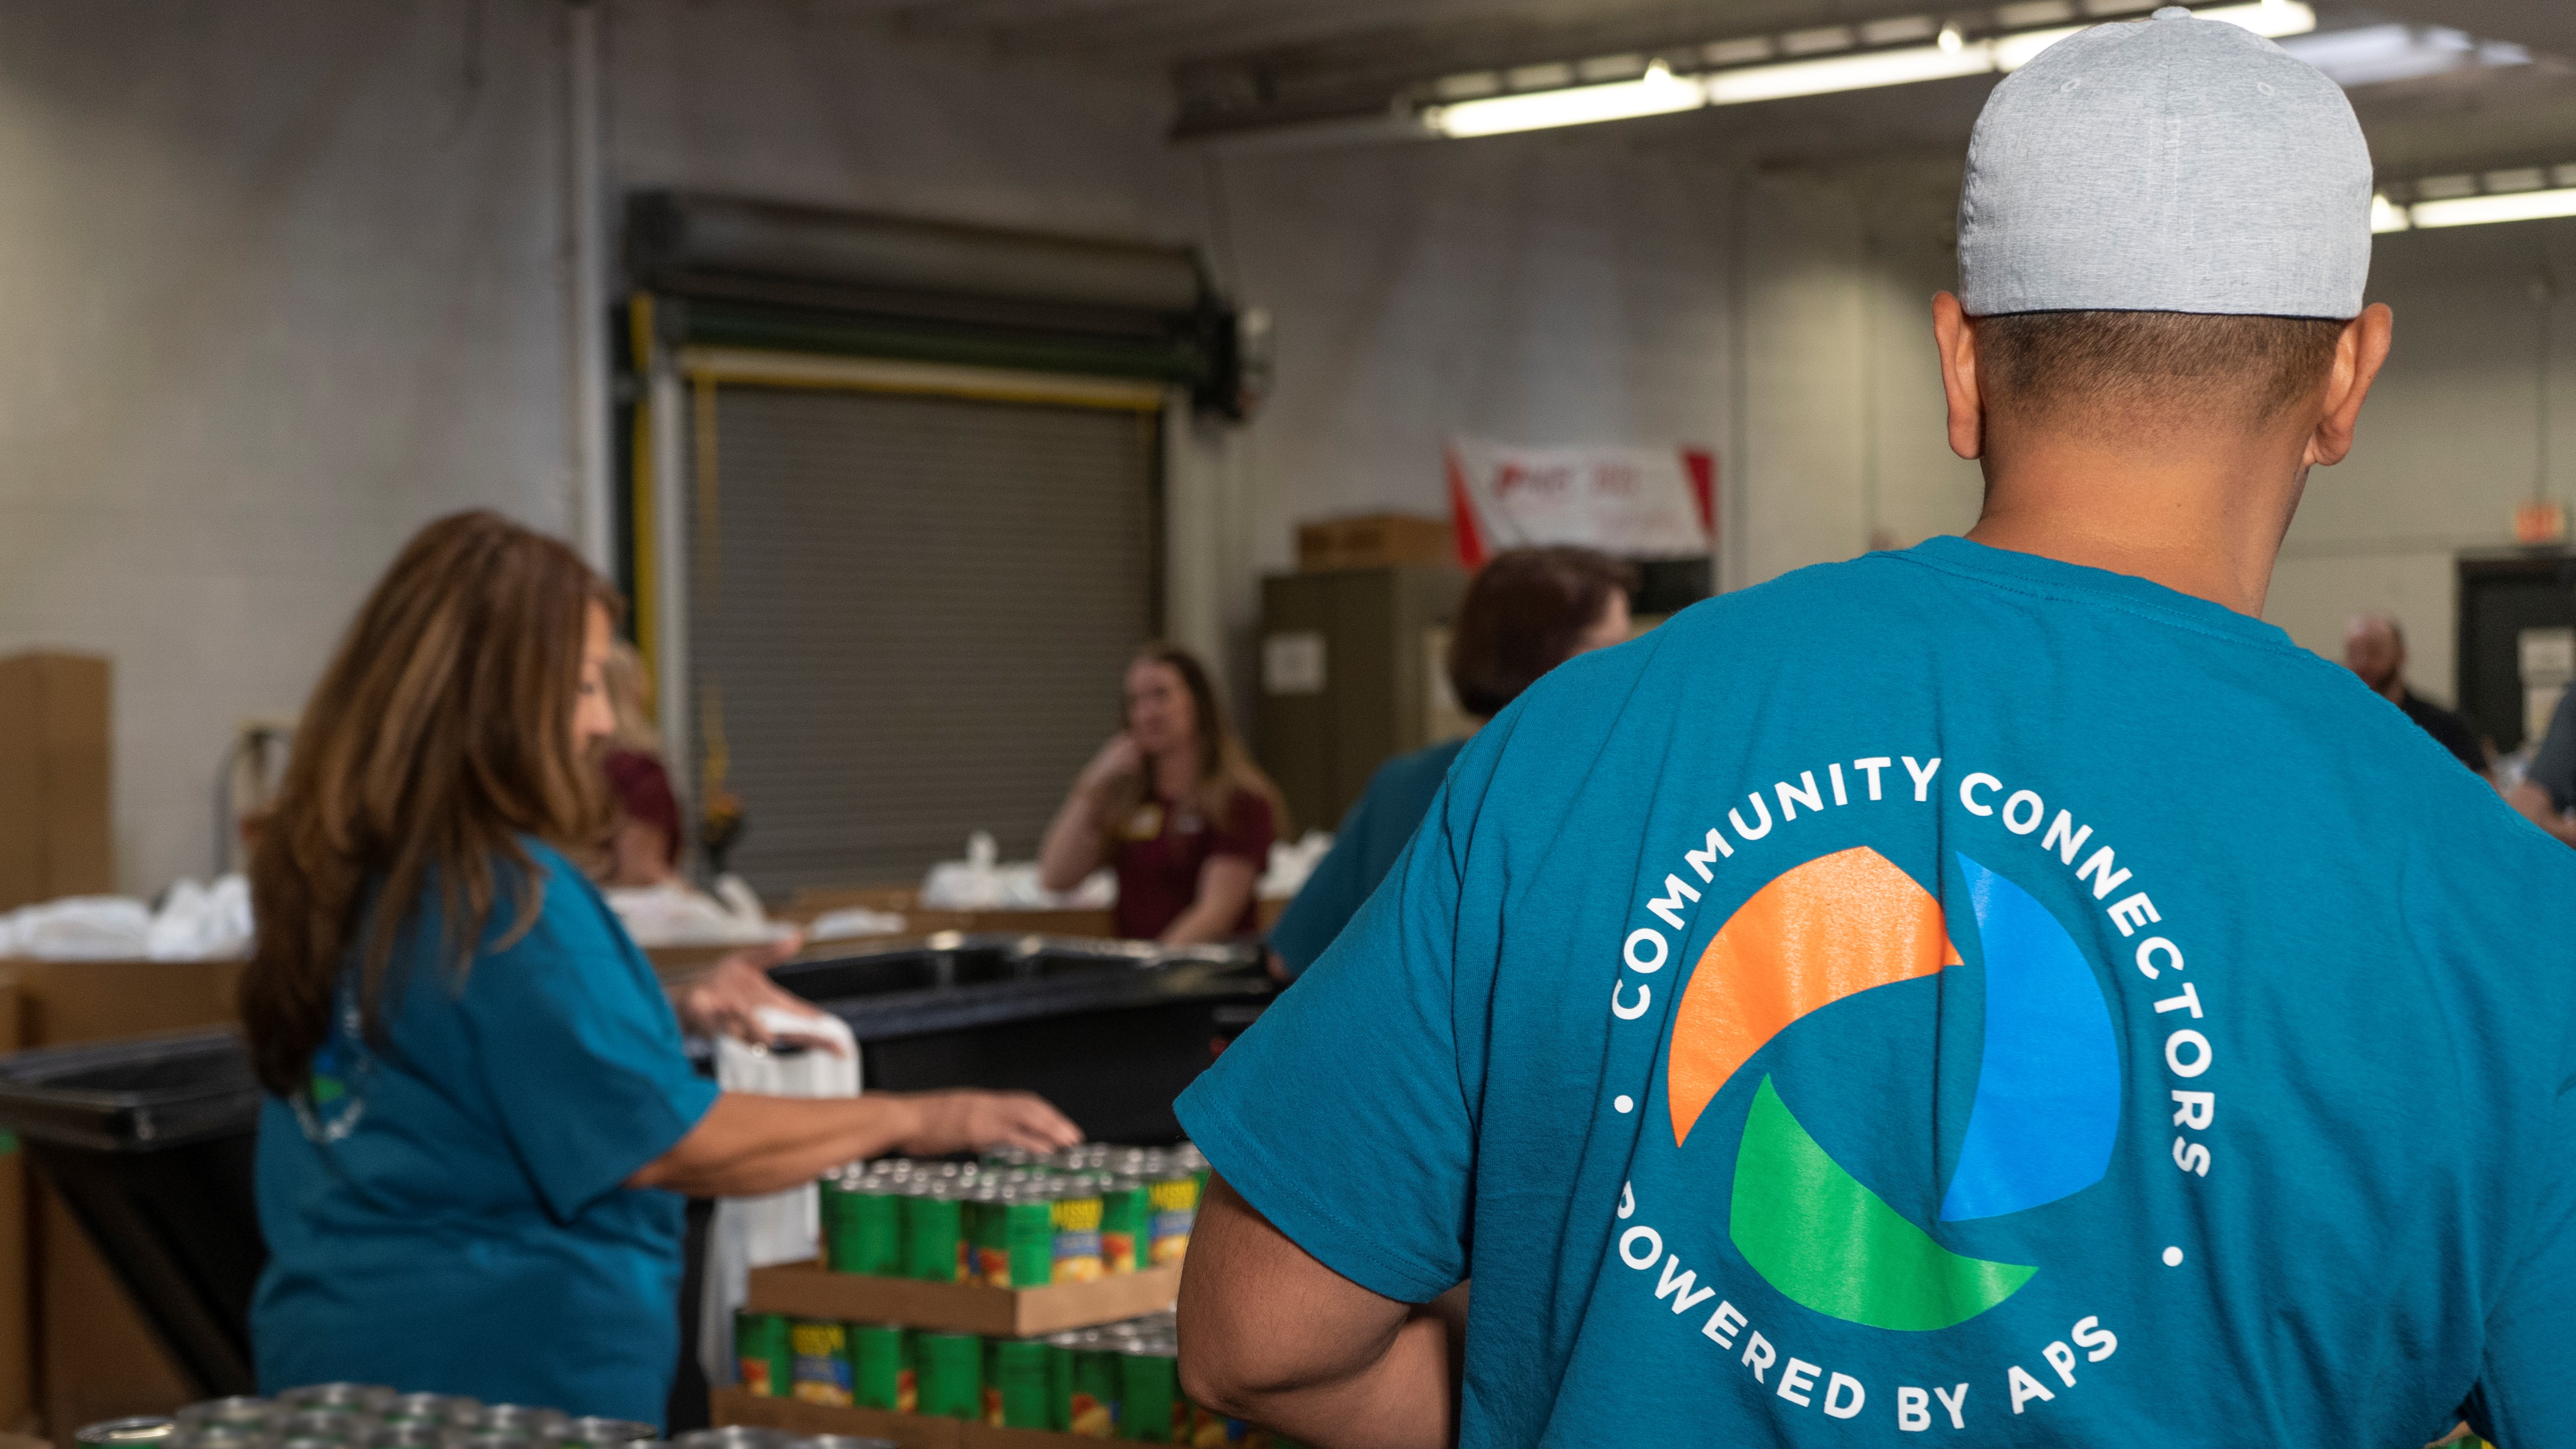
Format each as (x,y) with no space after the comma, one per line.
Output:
(481,1116)
(1175,804)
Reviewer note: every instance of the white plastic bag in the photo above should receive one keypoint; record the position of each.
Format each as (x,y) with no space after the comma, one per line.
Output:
(781,1227)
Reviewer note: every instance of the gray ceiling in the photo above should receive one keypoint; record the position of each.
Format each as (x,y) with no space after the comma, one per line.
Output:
(1267,63)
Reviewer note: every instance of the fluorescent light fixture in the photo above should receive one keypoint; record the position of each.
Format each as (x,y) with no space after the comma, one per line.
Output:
(2366,55)
(2387,216)
(1657,92)
(2012,52)
(2269,18)
(2479,210)
(1660,92)
(1846,73)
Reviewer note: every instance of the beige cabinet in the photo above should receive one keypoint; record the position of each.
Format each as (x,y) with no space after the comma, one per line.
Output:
(1350,675)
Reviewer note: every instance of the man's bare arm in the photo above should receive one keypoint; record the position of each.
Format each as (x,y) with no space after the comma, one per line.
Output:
(1270,1335)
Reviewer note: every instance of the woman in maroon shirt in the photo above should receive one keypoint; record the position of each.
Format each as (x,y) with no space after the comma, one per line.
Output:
(1175,805)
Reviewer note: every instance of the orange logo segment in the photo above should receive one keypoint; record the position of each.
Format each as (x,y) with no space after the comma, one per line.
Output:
(1833,927)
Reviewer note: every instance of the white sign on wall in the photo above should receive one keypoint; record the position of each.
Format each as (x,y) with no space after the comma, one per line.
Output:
(1293,663)
(1641,503)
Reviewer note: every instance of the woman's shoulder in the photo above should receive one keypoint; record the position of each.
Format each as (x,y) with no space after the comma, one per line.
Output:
(569,907)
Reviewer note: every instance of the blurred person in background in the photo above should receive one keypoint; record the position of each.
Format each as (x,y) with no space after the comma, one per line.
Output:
(2375,649)
(480,1118)
(2547,791)
(1176,806)
(1528,611)
(644,844)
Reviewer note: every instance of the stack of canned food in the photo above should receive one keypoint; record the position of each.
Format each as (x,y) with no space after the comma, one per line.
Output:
(1016,1219)
(1119,1381)
(371,1416)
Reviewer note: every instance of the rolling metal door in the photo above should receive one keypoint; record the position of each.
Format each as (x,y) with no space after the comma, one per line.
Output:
(909,616)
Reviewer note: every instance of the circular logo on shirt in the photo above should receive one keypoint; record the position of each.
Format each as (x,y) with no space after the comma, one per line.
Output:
(2047,1103)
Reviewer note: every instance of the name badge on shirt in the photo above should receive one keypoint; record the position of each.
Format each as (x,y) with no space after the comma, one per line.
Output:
(1147,822)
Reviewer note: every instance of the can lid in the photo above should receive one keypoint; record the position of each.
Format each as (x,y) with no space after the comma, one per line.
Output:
(138,1429)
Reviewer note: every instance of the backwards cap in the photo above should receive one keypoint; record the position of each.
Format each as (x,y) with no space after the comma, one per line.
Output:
(2166,165)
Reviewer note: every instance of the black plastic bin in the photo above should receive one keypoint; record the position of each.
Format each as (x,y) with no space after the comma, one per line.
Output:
(149,1142)
(1109,1031)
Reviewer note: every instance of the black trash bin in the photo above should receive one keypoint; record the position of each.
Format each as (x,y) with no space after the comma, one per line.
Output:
(1109,1031)
(149,1142)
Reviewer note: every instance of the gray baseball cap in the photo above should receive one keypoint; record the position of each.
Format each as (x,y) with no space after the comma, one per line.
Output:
(2166,165)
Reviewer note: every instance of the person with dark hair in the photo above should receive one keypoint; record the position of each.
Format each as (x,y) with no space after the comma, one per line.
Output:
(1174,804)
(1527,611)
(480,1118)
(2374,649)
(646,840)
(1959,995)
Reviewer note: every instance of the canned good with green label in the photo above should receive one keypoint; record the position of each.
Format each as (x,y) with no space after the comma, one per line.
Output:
(951,1374)
(1016,1241)
(862,1225)
(762,1357)
(934,1234)
(885,1378)
(1150,1407)
(1126,1220)
(1015,1384)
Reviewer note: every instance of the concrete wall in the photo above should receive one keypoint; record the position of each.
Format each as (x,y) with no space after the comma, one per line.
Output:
(1547,289)
(283,283)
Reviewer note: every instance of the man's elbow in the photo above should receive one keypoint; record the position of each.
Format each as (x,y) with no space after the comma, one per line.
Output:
(1224,1382)
(1228,1364)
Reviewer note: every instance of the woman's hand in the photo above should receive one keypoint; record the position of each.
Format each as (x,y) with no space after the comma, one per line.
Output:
(727,1001)
(1073,844)
(1118,759)
(973,1121)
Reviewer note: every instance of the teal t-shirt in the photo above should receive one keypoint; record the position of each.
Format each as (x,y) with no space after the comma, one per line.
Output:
(1372,836)
(449,1214)
(1950,997)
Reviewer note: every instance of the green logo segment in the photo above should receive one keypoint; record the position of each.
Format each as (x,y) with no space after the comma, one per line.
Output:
(1826,1241)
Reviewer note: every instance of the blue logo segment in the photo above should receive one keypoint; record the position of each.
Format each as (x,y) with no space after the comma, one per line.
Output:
(2048,1085)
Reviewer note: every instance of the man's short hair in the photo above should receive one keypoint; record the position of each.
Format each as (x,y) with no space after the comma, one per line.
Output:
(2120,372)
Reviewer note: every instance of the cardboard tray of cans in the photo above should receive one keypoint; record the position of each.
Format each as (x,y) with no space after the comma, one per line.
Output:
(809,1290)
(909,1431)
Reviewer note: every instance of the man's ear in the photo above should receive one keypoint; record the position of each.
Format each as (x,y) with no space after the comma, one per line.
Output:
(1956,334)
(2358,355)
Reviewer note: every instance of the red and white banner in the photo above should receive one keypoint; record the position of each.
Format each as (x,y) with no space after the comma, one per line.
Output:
(1642,503)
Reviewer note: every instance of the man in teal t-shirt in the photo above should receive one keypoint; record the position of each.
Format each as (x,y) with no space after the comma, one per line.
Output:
(1956,996)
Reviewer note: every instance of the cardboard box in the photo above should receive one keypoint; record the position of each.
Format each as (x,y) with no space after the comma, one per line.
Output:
(54,779)
(809,1290)
(1375,540)
(911,1431)
(17,1306)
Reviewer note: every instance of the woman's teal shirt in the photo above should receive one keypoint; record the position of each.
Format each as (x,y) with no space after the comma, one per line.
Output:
(1373,834)
(448,1211)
